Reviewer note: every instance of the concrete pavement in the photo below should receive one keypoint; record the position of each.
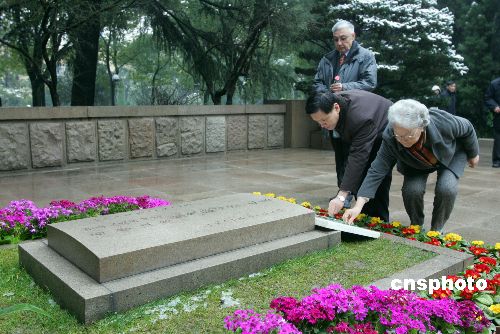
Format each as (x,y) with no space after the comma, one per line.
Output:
(306,174)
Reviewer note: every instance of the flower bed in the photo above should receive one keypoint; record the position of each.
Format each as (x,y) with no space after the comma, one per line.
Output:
(358,310)
(23,220)
(362,310)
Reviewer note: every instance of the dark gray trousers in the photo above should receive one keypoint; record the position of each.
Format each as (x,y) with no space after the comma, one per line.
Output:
(496,137)
(445,194)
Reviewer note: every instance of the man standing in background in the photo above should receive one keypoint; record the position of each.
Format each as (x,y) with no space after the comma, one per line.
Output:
(492,101)
(450,96)
(348,67)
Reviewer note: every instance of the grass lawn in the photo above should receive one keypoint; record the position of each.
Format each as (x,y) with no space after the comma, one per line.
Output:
(201,311)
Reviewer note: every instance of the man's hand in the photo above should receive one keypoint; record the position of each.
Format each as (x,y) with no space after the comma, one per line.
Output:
(496,110)
(474,161)
(336,87)
(335,206)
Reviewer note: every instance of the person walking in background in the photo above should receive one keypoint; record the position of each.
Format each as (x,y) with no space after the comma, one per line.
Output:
(360,118)
(349,66)
(421,141)
(436,100)
(449,95)
(492,101)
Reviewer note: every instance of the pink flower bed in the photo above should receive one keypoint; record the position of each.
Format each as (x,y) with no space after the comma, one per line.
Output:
(21,220)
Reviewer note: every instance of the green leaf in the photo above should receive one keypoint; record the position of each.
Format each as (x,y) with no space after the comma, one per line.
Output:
(22,307)
(484,299)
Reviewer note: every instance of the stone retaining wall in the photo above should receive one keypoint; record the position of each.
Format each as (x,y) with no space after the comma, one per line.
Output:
(34,138)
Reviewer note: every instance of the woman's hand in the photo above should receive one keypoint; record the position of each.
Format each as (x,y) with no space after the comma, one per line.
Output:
(474,161)
(351,214)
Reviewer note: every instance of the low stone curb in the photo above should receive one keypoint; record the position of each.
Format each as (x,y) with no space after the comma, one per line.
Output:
(447,262)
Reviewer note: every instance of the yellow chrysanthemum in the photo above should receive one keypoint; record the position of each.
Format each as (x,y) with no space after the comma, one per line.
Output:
(416,228)
(283,198)
(396,224)
(317,208)
(256,193)
(361,216)
(497,246)
(376,220)
(433,234)
(292,200)
(477,242)
(452,237)
(270,195)
(306,205)
(495,308)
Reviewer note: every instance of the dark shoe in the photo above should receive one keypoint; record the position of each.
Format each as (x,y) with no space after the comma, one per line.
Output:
(496,165)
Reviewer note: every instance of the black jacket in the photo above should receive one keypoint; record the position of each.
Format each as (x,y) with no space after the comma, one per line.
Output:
(492,95)
(359,127)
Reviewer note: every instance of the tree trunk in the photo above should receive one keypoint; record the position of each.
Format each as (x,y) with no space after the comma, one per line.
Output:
(37,92)
(86,41)
(52,84)
(230,94)
(217,98)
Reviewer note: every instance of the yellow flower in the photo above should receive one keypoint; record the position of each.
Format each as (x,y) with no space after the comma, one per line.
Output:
(433,234)
(317,208)
(270,195)
(416,228)
(292,200)
(283,198)
(396,224)
(361,216)
(376,220)
(497,246)
(452,237)
(477,242)
(256,193)
(495,308)
(306,205)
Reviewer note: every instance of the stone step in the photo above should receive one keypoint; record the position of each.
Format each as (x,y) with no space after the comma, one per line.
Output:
(125,244)
(89,300)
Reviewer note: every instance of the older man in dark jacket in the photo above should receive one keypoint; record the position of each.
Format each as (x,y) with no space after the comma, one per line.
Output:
(349,66)
(360,118)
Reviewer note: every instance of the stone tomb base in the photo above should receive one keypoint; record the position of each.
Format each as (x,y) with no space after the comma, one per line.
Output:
(108,264)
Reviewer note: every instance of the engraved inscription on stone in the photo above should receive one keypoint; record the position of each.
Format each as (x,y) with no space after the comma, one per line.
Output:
(114,246)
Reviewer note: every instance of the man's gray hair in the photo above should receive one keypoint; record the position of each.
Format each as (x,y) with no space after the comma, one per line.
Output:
(408,114)
(343,24)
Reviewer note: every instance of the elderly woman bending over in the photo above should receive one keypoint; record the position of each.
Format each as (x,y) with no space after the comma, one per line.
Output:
(420,142)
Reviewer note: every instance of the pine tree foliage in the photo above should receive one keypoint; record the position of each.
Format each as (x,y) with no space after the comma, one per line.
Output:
(480,23)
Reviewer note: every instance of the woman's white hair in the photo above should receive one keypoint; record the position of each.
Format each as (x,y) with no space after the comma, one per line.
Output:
(408,114)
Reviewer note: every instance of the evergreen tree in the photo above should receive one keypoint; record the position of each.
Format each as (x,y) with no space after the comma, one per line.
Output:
(480,23)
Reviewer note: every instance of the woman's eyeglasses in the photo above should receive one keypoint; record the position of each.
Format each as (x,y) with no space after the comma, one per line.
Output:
(414,134)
